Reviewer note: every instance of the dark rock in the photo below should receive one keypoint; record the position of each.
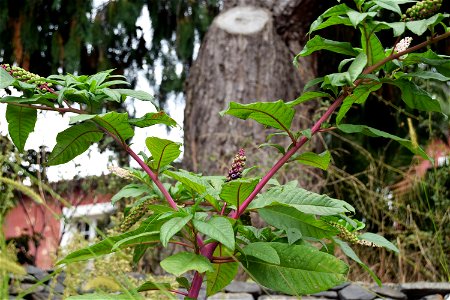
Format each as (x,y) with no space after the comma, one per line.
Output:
(28,279)
(340,287)
(243,287)
(433,297)
(229,296)
(327,294)
(278,297)
(415,290)
(356,292)
(36,272)
(389,292)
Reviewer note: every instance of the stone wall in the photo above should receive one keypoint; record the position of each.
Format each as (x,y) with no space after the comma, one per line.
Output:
(53,288)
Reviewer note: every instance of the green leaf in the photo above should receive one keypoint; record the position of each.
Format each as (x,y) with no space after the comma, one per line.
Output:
(131,190)
(313,82)
(80,118)
(397,27)
(163,151)
(315,270)
(262,251)
(73,141)
(302,200)
(372,132)
(357,66)
(426,75)
(236,191)
(171,227)
(357,17)
(337,79)
(359,95)
(222,275)
(276,146)
(150,119)
(21,121)
(372,47)
(114,95)
(318,43)
(442,64)
(219,229)
(391,5)
(331,14)
(5,79)
(418,27)
(284,217)
(378,240)
(183,282)
(307,96)
(116,123)
(113,82)
(274,114)
(150,285)
(144,237)
(182,262)
(141,95)
(105,246)
(321,160)
(331,21)
(197,184)
(350,253)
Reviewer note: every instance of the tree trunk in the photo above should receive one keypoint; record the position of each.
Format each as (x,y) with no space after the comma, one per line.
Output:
(245,58)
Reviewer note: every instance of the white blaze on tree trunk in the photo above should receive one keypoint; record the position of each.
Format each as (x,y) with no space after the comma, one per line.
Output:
(243,20)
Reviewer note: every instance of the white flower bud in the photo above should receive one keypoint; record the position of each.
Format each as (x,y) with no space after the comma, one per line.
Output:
(120,172)
(403,44)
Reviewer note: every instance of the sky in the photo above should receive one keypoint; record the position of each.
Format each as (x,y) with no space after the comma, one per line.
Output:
(92,162)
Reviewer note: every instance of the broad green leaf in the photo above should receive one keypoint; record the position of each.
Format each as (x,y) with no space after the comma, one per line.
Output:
(302,200)
(427,75)
(378,240)
(330,13)
(105,246)
(183,282)
(321,160)
(337,79)
(315,270)
(372,132)
(357,17)
(307,96)
(131,190)
(150,285)
(21,121)
(236,191)
(415,97)
(276,146)
(318,43)
(116,123)
(113,82)
(274,114)
(144,237)
(171,227)
(351,254)
(359,95)
(442,64)
(372,47)
(150,119)
(5,79)
(217,228)
(163,151)
(182,262)
(73,141)
(284,217)
(262,251)
(418,27)
(139,251)
(80,118)
(141,95)
(222,275)
(97,78)
(197,184)
(331,21)
(114,95)
(397,27)
(357,66)
(391,5)
(313,82)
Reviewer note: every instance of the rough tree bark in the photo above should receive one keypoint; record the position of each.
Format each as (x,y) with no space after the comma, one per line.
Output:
(246,56)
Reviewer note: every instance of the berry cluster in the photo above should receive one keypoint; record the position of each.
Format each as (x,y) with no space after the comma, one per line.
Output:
(237,166)
(135,215)
(28,77)
(422,10)
(349,236)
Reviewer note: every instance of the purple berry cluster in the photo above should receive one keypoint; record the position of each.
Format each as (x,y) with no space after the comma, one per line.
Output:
(237,166)
(28,77)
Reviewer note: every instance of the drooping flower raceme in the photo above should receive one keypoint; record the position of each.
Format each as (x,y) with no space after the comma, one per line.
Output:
(237,166)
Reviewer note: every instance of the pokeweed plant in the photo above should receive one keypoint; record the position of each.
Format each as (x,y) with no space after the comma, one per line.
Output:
(208,214)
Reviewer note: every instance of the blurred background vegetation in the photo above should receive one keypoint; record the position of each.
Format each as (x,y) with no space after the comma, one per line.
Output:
(397,195)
